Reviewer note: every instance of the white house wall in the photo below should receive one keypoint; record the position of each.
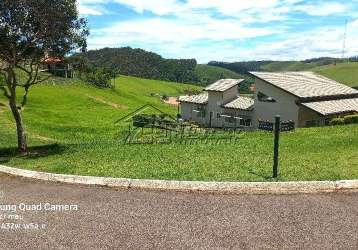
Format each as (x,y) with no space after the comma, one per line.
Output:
(214,106)
(188,113)
(306,114)
(230,94)
(285,104)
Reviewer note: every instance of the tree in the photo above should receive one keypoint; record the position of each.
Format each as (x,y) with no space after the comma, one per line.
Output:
(30,30)
(100,77)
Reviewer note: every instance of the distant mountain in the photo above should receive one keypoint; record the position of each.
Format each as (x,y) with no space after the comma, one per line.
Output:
(341,70)
(244,67)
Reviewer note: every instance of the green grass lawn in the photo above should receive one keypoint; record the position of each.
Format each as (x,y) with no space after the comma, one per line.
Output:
(346,73)
(71,129)
(288,66)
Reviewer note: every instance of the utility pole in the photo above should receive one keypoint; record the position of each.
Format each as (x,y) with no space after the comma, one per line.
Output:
(344,39)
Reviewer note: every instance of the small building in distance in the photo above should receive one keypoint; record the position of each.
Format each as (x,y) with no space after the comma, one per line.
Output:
(305,98)
(57,66)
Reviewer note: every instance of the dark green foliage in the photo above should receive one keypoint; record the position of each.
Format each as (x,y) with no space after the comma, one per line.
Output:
(33,27)
(351,119)
(337,121)
(241,67)
(99,77)
(31,30)
(209,74)
(353,59)
(151,120)
(245,67)
(140,63)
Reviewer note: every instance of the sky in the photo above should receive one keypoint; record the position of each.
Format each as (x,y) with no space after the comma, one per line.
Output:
(225,30)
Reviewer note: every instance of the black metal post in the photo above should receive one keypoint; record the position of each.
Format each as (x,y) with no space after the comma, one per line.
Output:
(276,146)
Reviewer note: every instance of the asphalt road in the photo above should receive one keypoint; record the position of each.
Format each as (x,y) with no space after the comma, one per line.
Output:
(137,219)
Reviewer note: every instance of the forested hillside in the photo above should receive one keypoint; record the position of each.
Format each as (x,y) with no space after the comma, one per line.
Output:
(144,64)
(149,65)
(244,67)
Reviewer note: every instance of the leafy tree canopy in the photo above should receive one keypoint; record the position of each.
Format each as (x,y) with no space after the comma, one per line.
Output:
(30,30)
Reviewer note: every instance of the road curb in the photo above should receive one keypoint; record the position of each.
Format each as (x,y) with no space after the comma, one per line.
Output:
(220,187)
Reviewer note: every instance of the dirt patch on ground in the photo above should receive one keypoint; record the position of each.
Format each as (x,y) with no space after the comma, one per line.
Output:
(42,138)
(3,107)
(172,101)
(112,104)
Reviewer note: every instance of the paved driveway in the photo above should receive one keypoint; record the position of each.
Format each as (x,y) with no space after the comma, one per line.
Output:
(137,219)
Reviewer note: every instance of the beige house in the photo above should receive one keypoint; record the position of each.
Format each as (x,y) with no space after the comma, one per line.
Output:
(306,98)
(218,106)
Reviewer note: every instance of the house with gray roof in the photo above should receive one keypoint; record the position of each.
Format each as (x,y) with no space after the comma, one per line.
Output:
(305,98)
(218,106)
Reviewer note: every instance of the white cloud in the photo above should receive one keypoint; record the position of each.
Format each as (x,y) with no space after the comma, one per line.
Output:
(88,10)
(176,32)
(92,7)
(322,9)
(159,7)
(193,29)
(231,7)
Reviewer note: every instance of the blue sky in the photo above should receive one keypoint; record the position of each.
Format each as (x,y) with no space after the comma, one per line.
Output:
(225,30)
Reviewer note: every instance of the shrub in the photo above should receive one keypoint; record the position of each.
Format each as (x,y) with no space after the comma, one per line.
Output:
(337,121)
(149,120)
(351,119)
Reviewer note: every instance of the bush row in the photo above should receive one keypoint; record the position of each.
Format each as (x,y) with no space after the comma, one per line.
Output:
(349,119)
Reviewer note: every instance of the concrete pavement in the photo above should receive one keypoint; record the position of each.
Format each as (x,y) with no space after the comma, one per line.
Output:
(136,219)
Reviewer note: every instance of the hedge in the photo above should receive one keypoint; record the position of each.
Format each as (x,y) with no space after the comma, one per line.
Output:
(337,121)
(349,119)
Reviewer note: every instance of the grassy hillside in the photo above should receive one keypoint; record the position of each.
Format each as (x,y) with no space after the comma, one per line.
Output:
(208,74)
(346,73)
(288,66)
(71,130)
(65,110)
(141,63)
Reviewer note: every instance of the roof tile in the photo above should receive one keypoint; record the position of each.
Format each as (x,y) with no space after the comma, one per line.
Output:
(334,106)
(242,103)
(305,84)
(223,85)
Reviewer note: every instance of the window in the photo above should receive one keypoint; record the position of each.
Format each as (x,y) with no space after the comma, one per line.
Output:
(201,114)
(199,110)
(245,122)
(264,98)
(230,119)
